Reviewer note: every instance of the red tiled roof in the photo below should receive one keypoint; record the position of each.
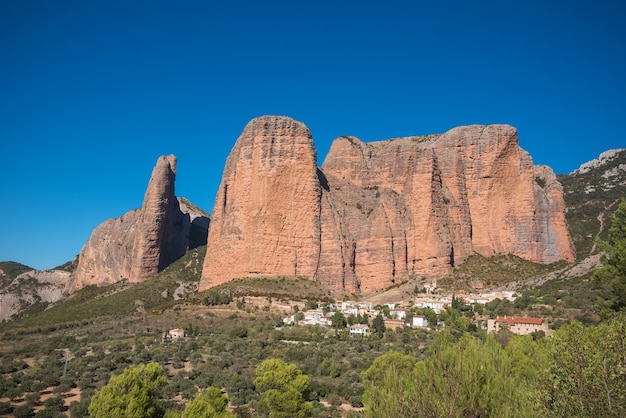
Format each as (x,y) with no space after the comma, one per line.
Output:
(518,320)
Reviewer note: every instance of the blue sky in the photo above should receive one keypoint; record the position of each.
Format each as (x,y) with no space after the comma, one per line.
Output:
(92,92)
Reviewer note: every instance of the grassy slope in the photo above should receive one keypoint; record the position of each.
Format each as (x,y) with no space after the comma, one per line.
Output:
(120,299)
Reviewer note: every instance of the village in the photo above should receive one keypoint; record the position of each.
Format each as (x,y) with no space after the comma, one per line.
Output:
(425,310)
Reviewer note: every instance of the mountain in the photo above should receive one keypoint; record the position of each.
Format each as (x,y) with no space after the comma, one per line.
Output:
(144,241)
(592,193)
(373,215)
(24,290)
(380,213)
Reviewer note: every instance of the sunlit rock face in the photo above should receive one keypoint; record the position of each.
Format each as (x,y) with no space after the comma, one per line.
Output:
(376,214)
(140,243)
(266,218)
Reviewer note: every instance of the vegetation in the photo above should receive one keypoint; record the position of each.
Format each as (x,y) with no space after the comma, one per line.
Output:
(94,352)
(591,198)
(210,403)
(283,387)
(130,394)
(9,270)
(613,270)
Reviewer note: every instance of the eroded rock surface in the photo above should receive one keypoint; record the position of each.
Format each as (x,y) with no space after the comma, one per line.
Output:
(140,243)
(376,214)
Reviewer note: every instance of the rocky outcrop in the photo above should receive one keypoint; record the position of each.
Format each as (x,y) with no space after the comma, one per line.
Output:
(38,288)
(376,214)
(140,243)
(266,217)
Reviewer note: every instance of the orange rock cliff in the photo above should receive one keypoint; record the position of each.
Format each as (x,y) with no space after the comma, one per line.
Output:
(379,213)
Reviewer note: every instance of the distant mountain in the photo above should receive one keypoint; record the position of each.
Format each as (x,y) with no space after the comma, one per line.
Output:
(27,291)
(592,193)
(9,270)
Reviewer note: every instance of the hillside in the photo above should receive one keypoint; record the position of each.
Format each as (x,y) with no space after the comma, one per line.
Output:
(591,194)
(9,270)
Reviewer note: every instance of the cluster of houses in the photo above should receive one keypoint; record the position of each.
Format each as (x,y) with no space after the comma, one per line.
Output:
(398,316)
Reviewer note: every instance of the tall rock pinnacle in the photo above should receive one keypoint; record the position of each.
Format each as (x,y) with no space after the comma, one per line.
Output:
(140,243)
(265,221)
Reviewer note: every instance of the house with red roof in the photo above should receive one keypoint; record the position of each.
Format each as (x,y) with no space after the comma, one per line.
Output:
(517,325)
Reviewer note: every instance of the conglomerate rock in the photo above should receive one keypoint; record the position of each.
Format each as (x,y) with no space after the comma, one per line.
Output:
(376,214)
(140,243)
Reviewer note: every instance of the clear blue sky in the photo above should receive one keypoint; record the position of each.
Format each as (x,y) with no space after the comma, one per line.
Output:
(92,92)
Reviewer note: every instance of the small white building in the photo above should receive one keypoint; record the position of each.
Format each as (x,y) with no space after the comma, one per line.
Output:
(350,311)
(175,334)
(436,305)
(420,321)
(359,329)
(315,317)
(398,313)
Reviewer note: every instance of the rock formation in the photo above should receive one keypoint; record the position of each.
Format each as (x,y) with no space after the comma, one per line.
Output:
(140,243)
(266,216)
(376,214)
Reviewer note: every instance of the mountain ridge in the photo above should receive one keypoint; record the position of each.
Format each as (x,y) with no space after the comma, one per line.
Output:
(589,203)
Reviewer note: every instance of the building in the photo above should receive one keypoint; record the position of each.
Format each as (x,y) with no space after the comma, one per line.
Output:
(420,321)
(394,324)
(437,305)
(517,325)
(359,329)
(398,313)
(174,335)
(315,317)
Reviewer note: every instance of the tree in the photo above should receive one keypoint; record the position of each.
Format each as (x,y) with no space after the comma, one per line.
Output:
(283,388)
(585,374)
(469,378)
(130,394)
(338,320)
(378,324)
(613,270)
(210,403)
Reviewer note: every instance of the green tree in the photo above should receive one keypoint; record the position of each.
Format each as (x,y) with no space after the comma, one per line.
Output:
(613,270)
(378,325)
(210,403)
(587,368)
(283,388)
(130,394)
(470,378)
(338,320)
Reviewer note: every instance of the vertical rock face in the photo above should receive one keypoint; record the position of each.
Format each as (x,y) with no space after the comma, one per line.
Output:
(140,243)
(379,213)
(265,221)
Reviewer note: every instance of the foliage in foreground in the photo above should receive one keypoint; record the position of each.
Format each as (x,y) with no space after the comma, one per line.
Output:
(614,269)
(470,378)
(130,394)
(579,372)
(283,387)
(210,403)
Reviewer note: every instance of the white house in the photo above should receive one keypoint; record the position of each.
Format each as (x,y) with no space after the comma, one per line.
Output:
(175,334)
(315,317)
(436,305)
(420,321)
(359,329)
(398,313)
